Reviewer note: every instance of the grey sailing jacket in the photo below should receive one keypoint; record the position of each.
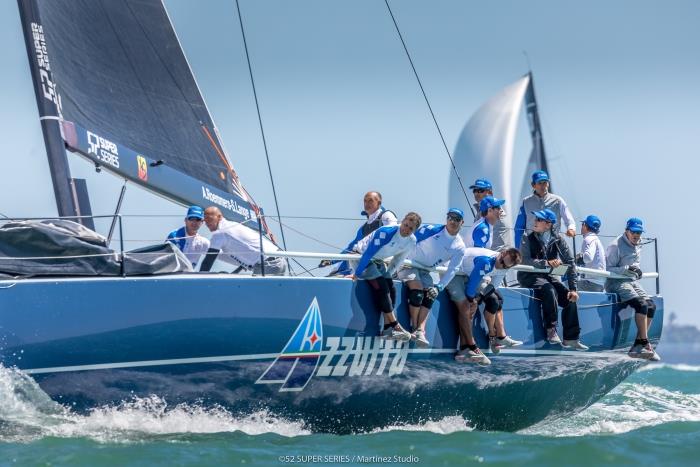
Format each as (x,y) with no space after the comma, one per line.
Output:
(621,254)
(526,220)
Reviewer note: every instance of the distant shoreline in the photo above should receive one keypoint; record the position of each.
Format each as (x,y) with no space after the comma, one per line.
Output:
(679,333)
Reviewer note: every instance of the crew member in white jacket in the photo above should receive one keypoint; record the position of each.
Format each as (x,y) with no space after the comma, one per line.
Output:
(437,245)
(592,255)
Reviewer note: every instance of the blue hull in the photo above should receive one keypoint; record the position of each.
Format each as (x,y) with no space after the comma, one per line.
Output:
(251,343)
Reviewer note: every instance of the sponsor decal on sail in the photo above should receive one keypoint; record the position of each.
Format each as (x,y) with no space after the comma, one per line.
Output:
(48,85)
(228,204)
(143,167)
(103,149)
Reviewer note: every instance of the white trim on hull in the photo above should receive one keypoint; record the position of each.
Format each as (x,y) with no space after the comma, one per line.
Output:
(270,356)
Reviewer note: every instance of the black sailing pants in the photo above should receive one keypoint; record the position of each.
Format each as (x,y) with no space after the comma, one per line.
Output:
(552,294)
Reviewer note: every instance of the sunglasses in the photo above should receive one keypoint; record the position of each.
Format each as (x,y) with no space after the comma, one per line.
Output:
(453,218)
(195,219)
(479,190)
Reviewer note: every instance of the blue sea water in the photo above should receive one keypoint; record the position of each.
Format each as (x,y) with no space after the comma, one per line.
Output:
(652,417)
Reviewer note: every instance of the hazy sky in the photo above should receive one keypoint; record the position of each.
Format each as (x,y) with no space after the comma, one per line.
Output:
(617,85)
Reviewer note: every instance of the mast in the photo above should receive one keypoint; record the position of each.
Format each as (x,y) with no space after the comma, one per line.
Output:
(68,192)
(538,157)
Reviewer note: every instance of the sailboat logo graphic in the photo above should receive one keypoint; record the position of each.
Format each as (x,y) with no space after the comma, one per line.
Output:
(296,364)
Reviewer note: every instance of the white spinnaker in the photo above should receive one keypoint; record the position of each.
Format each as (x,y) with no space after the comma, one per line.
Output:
(485,147)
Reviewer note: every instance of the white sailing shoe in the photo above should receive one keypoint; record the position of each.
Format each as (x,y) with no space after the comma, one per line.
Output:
(508,342)
(574,344)
(494,345)
(640,351)
(553,337)
(472,356)
(419,338)
(396,333)
(654,357)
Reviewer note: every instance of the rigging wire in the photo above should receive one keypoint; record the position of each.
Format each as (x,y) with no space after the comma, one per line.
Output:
(262,131)
(432,114)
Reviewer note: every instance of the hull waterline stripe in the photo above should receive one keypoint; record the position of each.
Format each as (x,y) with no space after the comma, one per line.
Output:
(272,356)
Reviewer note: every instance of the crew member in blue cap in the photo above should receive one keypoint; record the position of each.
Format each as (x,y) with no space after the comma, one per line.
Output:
(541,199)
(480,235)
(592,255)
(545,249)
(623,257)
(437,245)
(501,234)
(188,239)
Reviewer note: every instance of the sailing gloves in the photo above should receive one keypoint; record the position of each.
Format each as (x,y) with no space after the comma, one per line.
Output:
(633,271)
(432,292)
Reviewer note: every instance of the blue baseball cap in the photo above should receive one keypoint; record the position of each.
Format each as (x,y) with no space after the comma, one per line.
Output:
(593,223)
(540,176)
(490,202)
(196,212)
(635,225)
(546,215)
(456,211)
(481,184)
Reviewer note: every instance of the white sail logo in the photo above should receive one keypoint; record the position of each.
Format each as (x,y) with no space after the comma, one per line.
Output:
(105,150)
(48,86)
(229,204)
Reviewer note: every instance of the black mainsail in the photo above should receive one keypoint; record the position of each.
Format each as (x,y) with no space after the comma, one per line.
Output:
(119,91)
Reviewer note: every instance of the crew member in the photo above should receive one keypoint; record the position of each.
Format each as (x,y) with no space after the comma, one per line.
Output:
(545,248)
(480,235)
(377,216)
(471,288)
(541,199)
(239,245)
(436,245)
(592,255)
(188,239)
(623,257)
(396,242)
(501,235)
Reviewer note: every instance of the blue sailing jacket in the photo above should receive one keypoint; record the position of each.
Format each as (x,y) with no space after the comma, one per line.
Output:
(178,238)
(483,265)
(378,241)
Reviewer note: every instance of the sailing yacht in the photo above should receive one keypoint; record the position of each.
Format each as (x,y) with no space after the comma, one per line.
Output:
(113,86)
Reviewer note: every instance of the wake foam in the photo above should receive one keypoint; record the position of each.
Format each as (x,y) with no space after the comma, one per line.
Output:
(27,413)
(444,426)
(670,366)
(628,407)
